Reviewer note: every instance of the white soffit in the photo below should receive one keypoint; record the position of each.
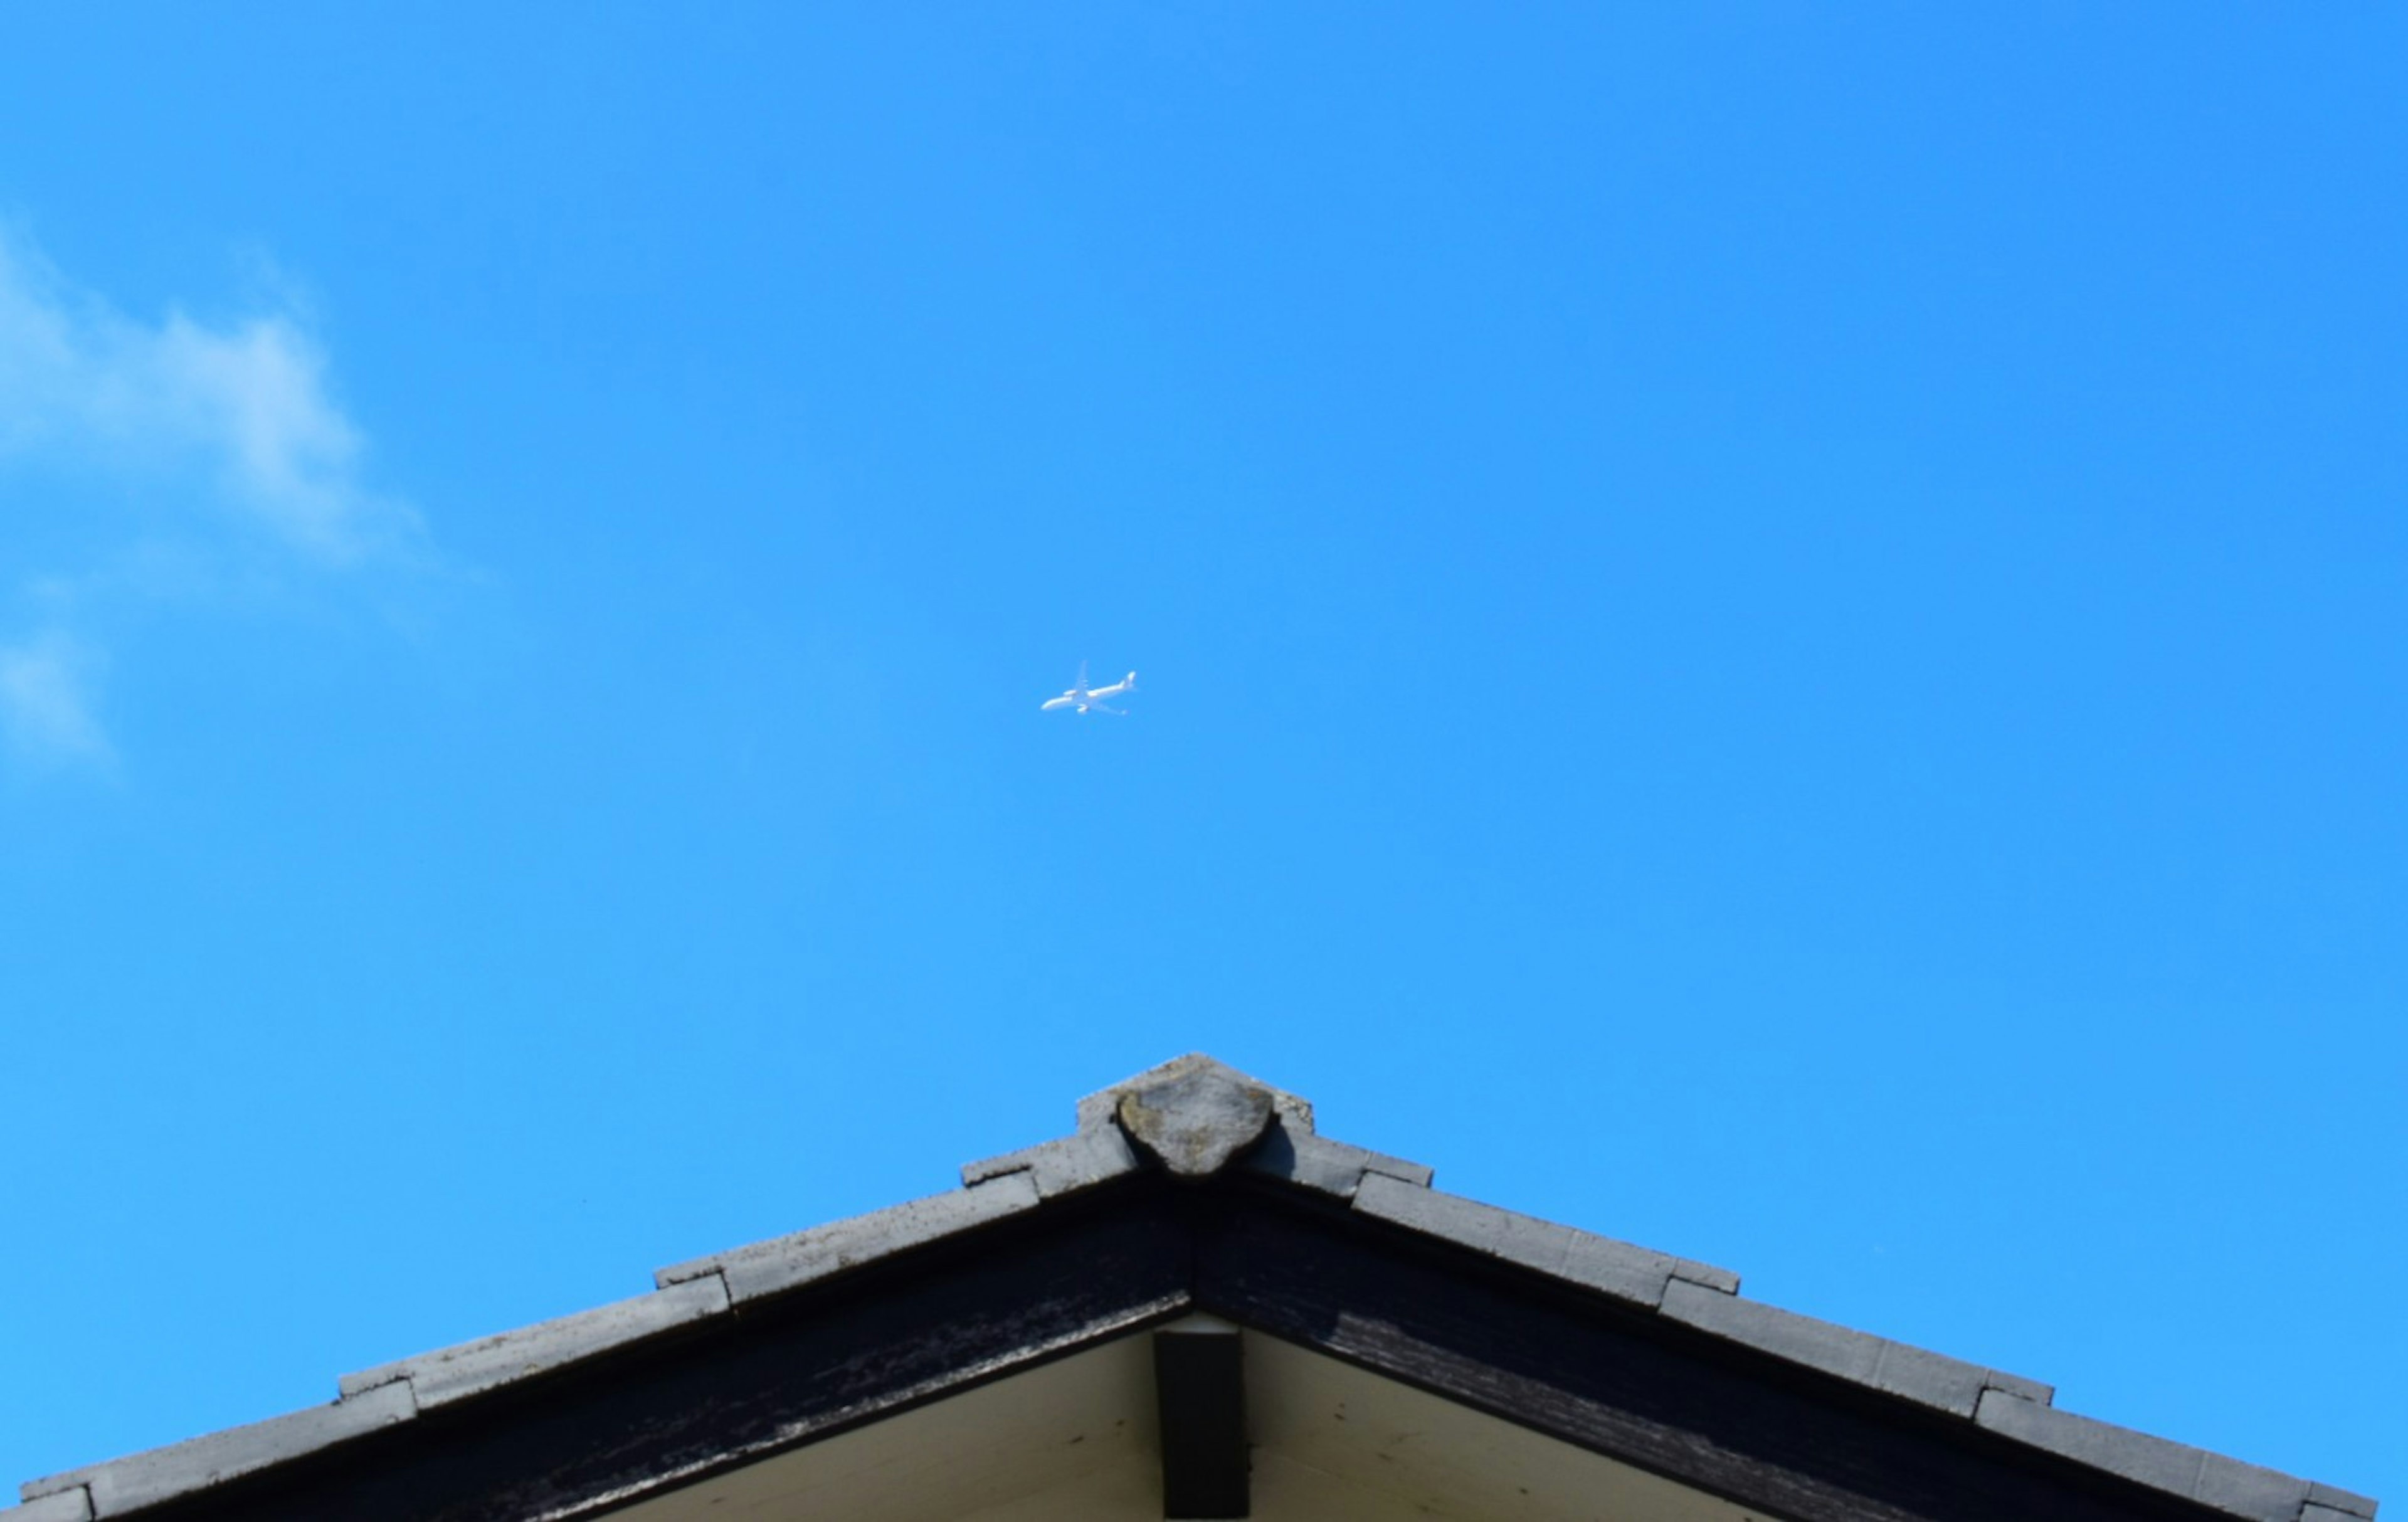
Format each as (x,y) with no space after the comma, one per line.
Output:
(1074,1441)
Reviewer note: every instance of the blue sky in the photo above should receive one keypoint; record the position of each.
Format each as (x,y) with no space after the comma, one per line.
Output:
(1774,633)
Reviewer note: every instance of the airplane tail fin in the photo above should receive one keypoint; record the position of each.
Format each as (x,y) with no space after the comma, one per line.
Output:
(1129,681)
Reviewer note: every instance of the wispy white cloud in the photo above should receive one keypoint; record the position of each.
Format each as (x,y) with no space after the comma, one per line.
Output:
(247,402)
(229,430)
(46,699)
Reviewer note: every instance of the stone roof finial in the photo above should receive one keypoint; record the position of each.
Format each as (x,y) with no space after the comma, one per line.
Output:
(1193,1114)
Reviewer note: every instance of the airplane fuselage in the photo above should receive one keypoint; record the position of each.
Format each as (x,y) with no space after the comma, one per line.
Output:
(1085,699)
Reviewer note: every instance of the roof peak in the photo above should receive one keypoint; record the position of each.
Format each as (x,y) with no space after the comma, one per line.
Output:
(1196,1073)
(1206,1127)
(1193,1113)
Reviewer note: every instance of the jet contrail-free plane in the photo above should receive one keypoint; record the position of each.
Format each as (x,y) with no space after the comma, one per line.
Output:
(1086,699)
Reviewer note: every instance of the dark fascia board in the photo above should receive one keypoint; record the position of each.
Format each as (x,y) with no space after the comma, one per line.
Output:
(1092,1236)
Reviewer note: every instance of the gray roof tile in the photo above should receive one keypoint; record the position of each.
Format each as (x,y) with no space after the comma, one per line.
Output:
(125,1484)
(1299,1157)
(2225,1483)
(785,1262)
(1059,1168)
(454,1374)
(1927,1378)
(73,1505)
(1617,1269)
(2335,1498)
(1689,1270)
(2153,1461)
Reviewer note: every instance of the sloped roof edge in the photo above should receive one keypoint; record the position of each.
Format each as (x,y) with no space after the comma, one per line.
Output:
(1194,1117)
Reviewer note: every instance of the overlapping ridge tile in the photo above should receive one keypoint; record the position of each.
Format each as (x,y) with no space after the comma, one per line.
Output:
(70,1505)
(143,1479)
(2227,1485)
(1636,1274)
(467,1369)
(1062,1166)
(1929,1379)
(783,1263)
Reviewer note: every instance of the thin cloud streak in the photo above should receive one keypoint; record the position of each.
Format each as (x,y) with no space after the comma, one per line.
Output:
(247,402)
(46,700)
(228,431)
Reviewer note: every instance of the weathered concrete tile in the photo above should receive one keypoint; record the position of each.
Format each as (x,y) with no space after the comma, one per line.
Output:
(450,1374)
(1617,1269)
(1634,1273)
(1316,1162)
(2136,1456)
(2028,1389)
(1621,1269)
(1500,1233)
(1925,1378)
(2259,1494)
(2334,1498)
(145,1479)
(786,1262)
(1706,1274)
(73,1505)
(1061,1167)
(1306,1159)
(2248,1489)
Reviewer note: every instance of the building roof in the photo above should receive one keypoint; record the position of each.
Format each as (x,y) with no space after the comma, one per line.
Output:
(1190,1188)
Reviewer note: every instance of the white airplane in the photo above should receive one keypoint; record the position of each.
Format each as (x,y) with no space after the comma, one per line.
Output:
(1088,699)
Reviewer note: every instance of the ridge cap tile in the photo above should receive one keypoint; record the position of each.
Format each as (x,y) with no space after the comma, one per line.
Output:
(1062,1166)
(70,1505)
(1324,1164)
(1620,1269)
(2228,1485)
(821,1252)
(2036,1391)
(157,1474)
(1900,1369)
(450,1374)
(1689,1270)
(2348,1501)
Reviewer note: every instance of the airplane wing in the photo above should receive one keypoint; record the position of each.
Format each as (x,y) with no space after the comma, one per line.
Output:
(1082,678)
(1105,707)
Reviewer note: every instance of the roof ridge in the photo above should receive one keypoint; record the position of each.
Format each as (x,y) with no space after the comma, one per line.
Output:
(1195,1117)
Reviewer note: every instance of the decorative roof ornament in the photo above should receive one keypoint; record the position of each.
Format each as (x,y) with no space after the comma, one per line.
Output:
(1196,1119)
